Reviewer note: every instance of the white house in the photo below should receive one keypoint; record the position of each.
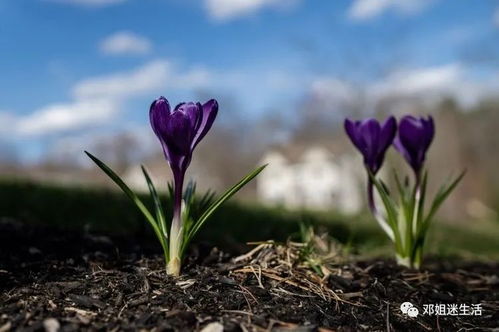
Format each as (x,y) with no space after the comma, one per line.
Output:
(313,178)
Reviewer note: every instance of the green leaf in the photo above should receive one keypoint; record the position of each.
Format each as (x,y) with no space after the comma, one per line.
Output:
(213,207)
(422,201)
(418,231)
(441,196)
(400,188)
(160,215)
(391,210)
(189,192)
(405,191)
(408,218)
(133,197)
(206,200)
(386,199)
(405,198)
(170,189)
(385,187)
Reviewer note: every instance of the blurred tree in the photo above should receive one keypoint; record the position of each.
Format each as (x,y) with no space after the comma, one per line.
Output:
(9,159)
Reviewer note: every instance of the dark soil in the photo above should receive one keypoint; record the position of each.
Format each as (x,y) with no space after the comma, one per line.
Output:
(52,280)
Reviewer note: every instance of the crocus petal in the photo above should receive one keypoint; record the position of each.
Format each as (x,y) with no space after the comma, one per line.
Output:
(411,133)
(210,110)
(193,111)
(386,136)
(388,130)
(401,149)
(429,128)
(158,115)
(414,139)
(351,128)
(371,139)
(178,133)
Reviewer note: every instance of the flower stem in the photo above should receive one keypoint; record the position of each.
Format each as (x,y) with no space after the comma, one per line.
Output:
(416,213)
(404,261)
(372,206)
(174,263)
(416,258)
(177,194)
(412,252)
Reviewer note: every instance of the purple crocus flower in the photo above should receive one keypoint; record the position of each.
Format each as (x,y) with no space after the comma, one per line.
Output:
(179,131)
(413,140)
(372,139)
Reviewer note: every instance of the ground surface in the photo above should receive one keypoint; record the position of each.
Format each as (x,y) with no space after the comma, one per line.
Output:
(75,281)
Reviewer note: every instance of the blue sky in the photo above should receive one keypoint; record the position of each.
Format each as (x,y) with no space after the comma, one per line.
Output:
(73,71)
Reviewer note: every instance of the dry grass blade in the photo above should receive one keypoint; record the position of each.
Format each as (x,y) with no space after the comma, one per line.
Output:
(304,266)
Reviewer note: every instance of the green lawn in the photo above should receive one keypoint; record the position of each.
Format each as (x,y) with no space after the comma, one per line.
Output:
(110,211)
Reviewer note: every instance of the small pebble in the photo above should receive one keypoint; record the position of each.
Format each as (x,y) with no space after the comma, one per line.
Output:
(213,327)
(6,327)
(228,281)
(34,251)
(51,325)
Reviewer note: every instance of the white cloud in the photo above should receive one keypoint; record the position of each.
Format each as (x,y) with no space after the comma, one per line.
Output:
(418,81)
(62,117)
(431,84)
(90,3)
(7,120)
(152,77)
(333,93)
(125,42)
(97,100)
(427,86)
(197,77)
(149,77)
(224,10)
(361,10)
(496,17)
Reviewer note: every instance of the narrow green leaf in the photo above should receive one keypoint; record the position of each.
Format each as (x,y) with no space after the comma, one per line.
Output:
(132,196)
(160,215)
(418,201)
(170,189)
(400,188)
(441,196)
(403,226)
(422,201)
(391,210)
(387,201)
(206,200)
(213,207)
(405,198)
(189,192)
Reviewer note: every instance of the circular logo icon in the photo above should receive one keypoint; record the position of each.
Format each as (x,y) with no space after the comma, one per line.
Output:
(413,312)
(408,309)
(404,307)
